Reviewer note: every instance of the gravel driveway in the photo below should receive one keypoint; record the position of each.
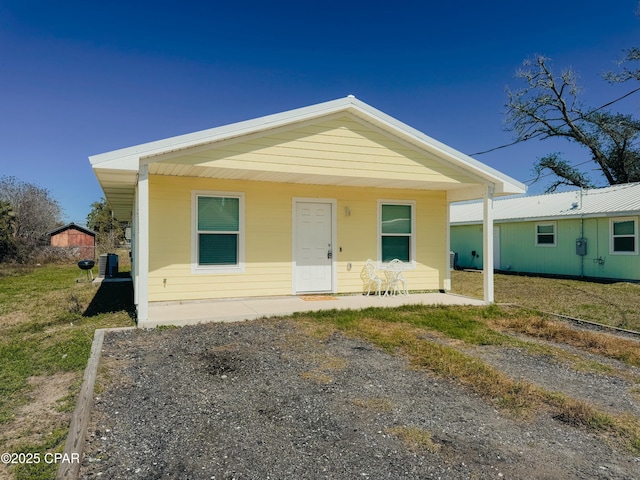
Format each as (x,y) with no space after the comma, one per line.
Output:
(266,400)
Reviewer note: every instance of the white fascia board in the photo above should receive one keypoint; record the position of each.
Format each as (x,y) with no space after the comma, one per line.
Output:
(107,161)
(129,158)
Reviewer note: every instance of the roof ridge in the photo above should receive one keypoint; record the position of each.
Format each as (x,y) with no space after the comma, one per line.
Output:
(618,186)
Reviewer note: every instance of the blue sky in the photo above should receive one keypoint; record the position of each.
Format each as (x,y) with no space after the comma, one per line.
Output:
(82,78)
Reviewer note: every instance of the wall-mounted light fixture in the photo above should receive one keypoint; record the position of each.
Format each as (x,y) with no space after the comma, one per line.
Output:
(347,212)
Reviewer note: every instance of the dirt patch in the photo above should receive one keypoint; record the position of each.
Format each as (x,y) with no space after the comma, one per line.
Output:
(46,391)
(11,319)
(41,414)
(270,399)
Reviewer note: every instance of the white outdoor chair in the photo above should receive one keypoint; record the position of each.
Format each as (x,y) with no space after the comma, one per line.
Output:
(395,277)
(370,277)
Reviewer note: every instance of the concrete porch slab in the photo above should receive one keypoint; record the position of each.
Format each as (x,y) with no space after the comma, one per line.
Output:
(239,309)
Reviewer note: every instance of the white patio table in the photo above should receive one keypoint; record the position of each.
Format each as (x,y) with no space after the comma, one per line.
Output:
(393,271)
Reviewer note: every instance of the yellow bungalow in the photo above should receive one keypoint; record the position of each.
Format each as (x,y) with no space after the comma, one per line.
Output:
(291,203)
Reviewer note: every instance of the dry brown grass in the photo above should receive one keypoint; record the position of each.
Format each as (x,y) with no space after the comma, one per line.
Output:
(541,326)
(519,398)
(616,304)
(417,439)
(317,377)
(327,366)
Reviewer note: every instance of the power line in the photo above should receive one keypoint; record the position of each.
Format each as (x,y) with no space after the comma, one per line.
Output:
(580,117)
(497,148)
(612,102)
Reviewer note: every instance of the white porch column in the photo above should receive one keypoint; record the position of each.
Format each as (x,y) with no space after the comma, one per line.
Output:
(447,280)
(487,244)
(135,246)
(142,262)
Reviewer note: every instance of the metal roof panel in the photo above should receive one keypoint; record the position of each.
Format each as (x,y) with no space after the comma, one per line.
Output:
(609,201)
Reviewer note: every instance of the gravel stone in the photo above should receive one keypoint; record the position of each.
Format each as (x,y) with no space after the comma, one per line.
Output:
(264,400)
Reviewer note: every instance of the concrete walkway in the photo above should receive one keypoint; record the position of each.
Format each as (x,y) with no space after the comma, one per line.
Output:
(233,310)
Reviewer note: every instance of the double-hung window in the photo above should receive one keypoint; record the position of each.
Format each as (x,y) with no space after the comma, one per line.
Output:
(218,243)
(396,231)
(546,234)
(624,236)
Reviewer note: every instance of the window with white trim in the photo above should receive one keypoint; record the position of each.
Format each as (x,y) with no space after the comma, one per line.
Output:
(624,236)
(396,231)
(218,243)
(546,234)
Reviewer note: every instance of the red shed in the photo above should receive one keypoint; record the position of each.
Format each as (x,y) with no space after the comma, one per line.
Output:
(77,237)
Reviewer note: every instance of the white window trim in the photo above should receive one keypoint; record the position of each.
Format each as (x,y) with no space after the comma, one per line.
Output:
(208,269)
(413,241)
(555,234)
(635,235)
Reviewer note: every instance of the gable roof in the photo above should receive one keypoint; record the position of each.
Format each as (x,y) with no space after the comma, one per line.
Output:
(73,226)
(617,200)
(117,170)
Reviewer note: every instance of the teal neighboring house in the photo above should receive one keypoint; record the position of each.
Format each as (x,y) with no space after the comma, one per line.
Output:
(583,233)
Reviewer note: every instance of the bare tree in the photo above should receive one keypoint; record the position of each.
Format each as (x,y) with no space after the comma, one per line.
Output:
(632,55)
(35,212)
(548,107)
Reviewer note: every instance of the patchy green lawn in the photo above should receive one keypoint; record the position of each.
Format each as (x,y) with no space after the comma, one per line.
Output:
(616,304)
(47,321)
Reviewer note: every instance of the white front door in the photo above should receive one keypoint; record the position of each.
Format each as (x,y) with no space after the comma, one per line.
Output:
(313,247)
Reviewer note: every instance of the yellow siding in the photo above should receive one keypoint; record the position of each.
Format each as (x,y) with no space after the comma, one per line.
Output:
(340,146)
(268,238)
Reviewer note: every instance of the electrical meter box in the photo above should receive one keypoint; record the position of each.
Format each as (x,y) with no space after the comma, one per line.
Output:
(581,246)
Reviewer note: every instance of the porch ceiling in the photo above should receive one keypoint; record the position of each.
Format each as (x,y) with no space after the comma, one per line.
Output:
(119,187)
